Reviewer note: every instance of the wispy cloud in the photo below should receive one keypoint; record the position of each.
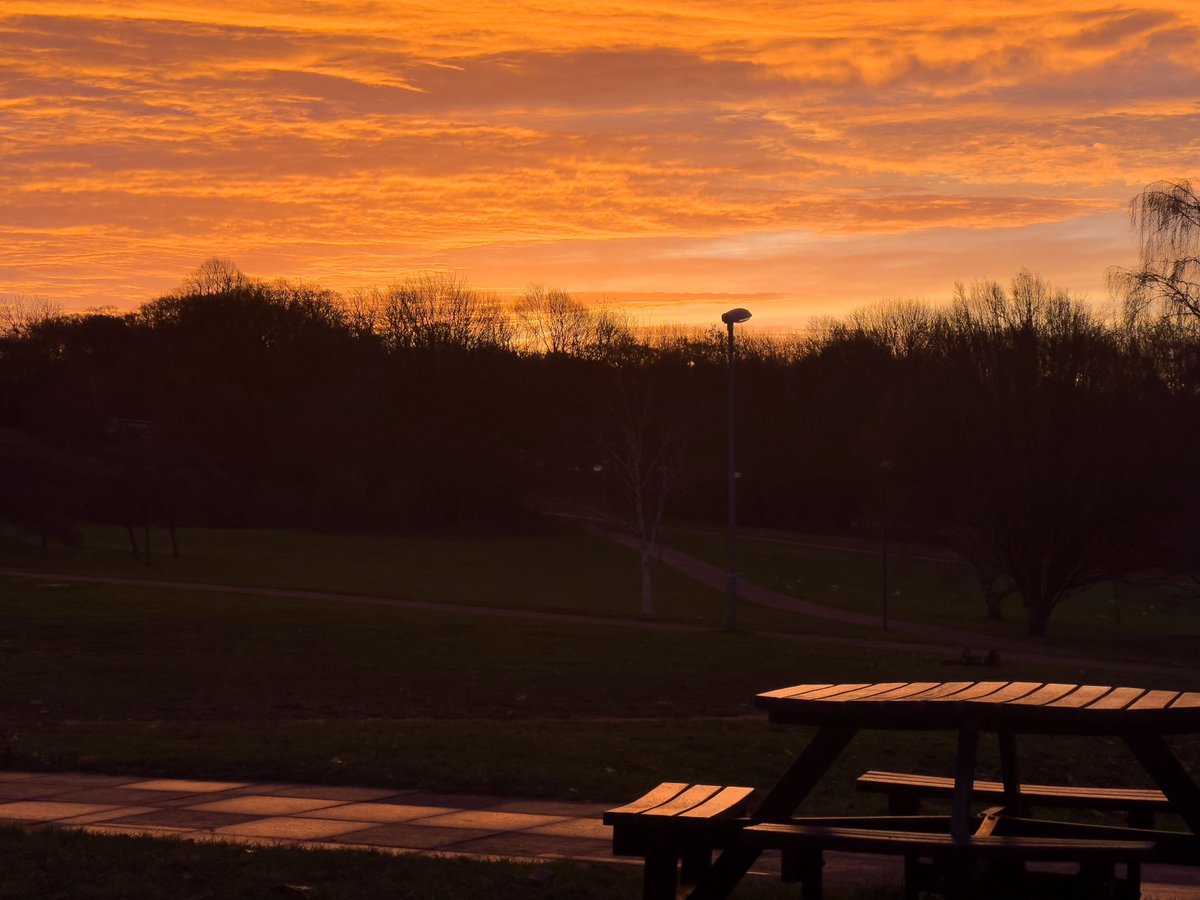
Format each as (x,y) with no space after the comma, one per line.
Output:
(609,147)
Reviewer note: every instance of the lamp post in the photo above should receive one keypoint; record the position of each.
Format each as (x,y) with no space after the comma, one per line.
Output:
(731,318)
(885,469)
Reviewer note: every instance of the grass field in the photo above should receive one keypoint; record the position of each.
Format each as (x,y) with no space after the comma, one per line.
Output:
(209,683)
(1127,619)
(162,681)
(58,864)
(558,572)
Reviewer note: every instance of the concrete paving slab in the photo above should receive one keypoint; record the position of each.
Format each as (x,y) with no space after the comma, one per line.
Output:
(577,828)
(415,837)
(492,821)
(265,805)
(457,801)
(294,828)
(120,796)
(47,810)
(569,809)
(108,815)
(81,780)
(23,790)
(377,812)
(191,819)
(176,785)
(329,792)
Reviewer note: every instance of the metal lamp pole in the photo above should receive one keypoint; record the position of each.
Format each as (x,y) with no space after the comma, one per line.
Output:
(885,468)
(731,318)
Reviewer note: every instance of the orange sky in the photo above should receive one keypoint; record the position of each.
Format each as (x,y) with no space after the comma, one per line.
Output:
(798,158)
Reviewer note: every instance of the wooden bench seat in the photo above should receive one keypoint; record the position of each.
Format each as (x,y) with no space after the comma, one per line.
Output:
(958,861)
(676,827)
(905,792)
(782,836)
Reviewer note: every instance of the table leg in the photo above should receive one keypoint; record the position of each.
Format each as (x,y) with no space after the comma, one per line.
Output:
(964,780)
(1169,774)
(805,773)
(799,780)
(1010,773)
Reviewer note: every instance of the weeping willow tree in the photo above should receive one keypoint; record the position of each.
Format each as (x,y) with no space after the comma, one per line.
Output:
(1166,218)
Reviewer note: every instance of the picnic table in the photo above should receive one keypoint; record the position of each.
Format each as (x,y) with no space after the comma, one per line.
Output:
(1004,838)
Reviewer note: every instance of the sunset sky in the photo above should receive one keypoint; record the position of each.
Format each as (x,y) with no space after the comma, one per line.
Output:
(678,157)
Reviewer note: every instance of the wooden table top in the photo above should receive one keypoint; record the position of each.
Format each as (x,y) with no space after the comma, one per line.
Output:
(1020,705)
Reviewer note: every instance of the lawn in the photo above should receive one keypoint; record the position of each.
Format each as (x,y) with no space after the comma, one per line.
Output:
(205,683)
(1136,620)
(192,683)
(49,864)
(564,572)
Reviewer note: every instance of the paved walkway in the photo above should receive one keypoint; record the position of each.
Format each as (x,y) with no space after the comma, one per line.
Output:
(328,817)
(948,640)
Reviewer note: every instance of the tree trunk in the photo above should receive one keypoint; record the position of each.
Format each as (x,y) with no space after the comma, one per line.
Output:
(132,540)
(992,595)
(174,537)
(1038,615)
(647,590)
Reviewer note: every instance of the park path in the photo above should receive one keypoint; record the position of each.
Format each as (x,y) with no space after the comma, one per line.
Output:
(946,641)
(386,820)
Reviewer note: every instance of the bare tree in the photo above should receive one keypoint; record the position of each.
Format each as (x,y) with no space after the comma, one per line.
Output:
(22,313)
(1040,452)
(642,451)
(364,310)
(1166,218)
(550,320)
(438,309)
(212,277)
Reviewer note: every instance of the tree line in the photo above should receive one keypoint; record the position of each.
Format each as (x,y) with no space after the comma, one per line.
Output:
(1046,442)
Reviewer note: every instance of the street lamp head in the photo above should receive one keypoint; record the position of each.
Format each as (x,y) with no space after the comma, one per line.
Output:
(735,316)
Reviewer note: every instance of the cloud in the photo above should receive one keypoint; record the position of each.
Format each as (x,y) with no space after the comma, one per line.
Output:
(664,149)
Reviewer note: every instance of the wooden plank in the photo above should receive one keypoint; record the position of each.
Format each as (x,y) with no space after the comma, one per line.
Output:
(909,691)
(871,840)
(1012,691)
(990,822)
(1047,693)
(668,790)
(805,772)
(830,691)
(1117,698)
(693,796)
(1010,771)
(1082,696)
(980,690)
(795,690)
(943,691)
(1037,794)
(869,692)
(1154,700)
(1169,774)
(725,801)
(1186,700)
(964,779)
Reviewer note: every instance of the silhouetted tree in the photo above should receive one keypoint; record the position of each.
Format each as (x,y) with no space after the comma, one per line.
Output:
(437,311)
(212,277)
(642,450)
(1041,446)
(1166,217)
